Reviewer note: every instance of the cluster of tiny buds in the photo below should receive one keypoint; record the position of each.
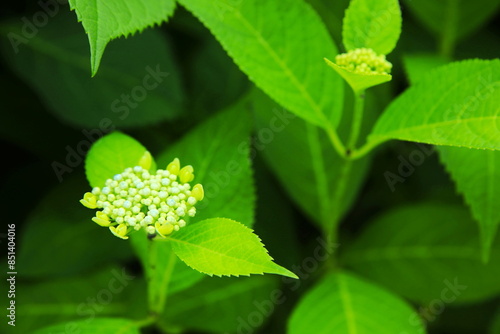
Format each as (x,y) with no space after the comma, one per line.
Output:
(136,199)
(364,61)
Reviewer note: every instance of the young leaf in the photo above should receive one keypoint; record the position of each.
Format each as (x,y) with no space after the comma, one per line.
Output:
(235,298)
(218,149)
(344,303)
(105,20)
(358,81)
(441,264)
(69,232)
(477,176)
(267,40)
(111,155)
(94,326)
(138,89)
(475,172)
(372,24)
(455,105)
(321,183)
(224,247)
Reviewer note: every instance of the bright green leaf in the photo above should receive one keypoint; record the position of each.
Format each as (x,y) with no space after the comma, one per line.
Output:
(455,18)
(95,326)
(372,24)
(424,252)
(105,20)
(454,105)
(224,247)
(320,182)
(358,81)
(475,172)
(218,150)
(235,298)
(477,176)
(133,88)
(111,155)
(268,39)
(343,303)
(69,232)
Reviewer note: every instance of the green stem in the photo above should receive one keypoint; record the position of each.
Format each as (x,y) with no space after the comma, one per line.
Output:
(336,142)
(157,293)
(357,120)
(346,169)
(449,35)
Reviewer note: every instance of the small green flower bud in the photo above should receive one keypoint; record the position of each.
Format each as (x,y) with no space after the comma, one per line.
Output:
(174,167)
(198,192)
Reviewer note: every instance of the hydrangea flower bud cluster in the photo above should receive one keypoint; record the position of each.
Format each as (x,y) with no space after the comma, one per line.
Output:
(136,199)
(364,61)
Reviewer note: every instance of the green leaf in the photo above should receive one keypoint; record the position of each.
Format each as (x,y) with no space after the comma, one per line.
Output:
(477,176)
(372,24)
(475,172)
(218,149)
(105,20)
(111,155)
(359,81)
(96,326)
(224,247)
(235,298)
(453,17)
(343,303)
(62,299)
(321,183)
(424,252)
(267,40)
(138,89)
(70,232)
(457,106)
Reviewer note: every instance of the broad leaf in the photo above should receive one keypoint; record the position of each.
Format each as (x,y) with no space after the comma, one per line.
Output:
(456,18)
(199,307)
(267,40)
(323,184)
(46,303)
(111,155)
(343,303)
(133,88)
(455,105)
(372,24)
(475,172)
(76,245)
(95,326)
(224,247)
(218,149)
(105,20)
(444,261)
